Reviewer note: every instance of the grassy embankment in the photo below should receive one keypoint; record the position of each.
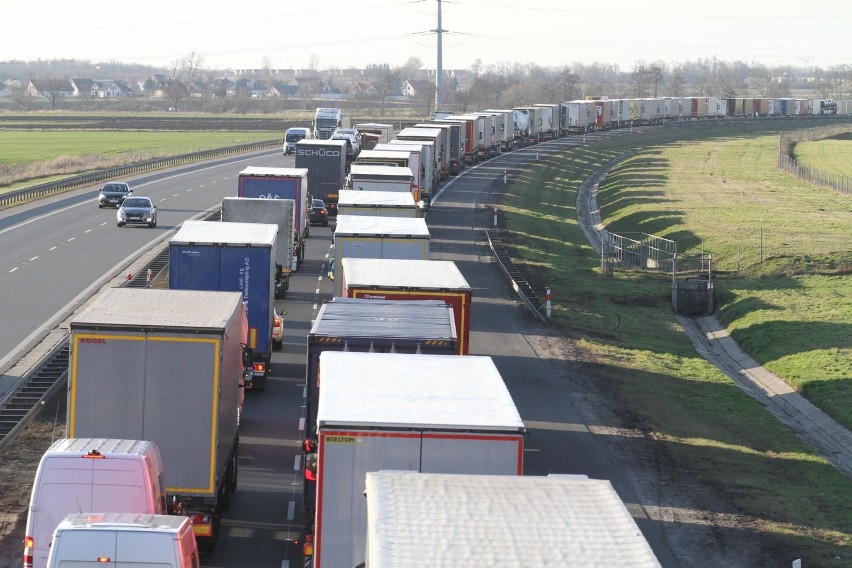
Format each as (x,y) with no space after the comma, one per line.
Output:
(713,189)
(34,156)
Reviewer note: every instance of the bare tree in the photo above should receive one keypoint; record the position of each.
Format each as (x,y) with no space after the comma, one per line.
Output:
(566,81)
(656,76)
(677,82)
(52,89)
(640,80)
(184,72)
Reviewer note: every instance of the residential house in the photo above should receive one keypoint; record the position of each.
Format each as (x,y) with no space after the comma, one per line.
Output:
(82,88)
(110,89)
(51,88)
(418,88)
(363,89)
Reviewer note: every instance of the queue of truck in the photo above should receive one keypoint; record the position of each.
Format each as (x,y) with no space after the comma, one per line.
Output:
(390,381)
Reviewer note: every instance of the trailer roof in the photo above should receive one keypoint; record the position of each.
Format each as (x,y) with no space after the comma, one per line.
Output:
(218,232)
(160,309)
(355,198)
(391,319)
(420,520)
(376,170)
(392,390)
(318,142)
(384,152)
(391,147)
(275,172)
(376,226)
(386,273)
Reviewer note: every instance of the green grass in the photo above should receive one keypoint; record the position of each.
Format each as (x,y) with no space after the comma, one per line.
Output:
(714,187)
(834,156)
(26,147)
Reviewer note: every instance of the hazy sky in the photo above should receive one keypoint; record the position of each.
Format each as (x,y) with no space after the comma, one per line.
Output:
(355,33)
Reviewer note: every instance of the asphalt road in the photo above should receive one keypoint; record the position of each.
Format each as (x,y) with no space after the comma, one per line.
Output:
(55,249)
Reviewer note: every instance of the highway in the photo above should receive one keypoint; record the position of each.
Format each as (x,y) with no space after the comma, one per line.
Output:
(55,249)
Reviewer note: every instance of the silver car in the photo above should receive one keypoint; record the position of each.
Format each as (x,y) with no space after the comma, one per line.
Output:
(136,211)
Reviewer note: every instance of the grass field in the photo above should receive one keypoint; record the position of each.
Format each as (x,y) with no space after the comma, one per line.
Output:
(834,156)
(713,188)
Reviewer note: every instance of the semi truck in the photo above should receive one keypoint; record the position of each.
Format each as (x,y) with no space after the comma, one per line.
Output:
(376,326)
(439,137)
(279,212)
(374,133)
(327,120)
(165,366)
(281,183)
(428,164)
(391,411)
(378,203)
(401,155)
(375,177)
(362,236)
(453,143)
(401,279)
(325,161)
(209,255)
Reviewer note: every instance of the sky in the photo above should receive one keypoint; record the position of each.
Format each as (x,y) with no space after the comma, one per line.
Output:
(252,34)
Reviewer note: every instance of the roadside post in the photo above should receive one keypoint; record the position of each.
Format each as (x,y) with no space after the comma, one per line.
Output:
(549,308)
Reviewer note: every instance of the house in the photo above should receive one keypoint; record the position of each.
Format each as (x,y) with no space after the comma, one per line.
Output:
(110,89)
(363,89)
(50,88)
(418,88)
(82,88)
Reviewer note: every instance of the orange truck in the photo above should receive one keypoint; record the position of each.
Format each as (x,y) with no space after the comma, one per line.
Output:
(397,279)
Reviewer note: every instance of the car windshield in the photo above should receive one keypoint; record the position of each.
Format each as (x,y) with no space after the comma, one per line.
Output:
(318,203)
(136,202)
(115,187)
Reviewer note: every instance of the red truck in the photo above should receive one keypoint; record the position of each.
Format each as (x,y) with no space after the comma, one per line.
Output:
(397,279)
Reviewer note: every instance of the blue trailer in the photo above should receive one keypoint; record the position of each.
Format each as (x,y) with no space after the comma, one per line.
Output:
(281,183)
(212,255)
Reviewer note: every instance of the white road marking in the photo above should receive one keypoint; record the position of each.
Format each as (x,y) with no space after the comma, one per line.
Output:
(87,231)
(291,510)
(14,269)
(301,423)
(316,291)
(297,463)
(33,258)
(71,239)
(53,248)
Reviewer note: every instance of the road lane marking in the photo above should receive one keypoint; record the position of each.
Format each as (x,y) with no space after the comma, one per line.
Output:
(297,463)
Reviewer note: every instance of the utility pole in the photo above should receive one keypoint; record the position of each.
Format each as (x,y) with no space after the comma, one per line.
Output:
(439,71)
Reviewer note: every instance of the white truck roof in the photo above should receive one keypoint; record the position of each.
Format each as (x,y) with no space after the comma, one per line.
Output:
(394,273)
(375,226)
(275,172)
(404,319)
(414,391)
(160,309)
(381,198)
(108,447)
(419,520)
(375,170)
(217,232)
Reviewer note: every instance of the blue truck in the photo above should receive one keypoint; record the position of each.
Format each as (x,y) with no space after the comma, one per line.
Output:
(281,183)
(212,255)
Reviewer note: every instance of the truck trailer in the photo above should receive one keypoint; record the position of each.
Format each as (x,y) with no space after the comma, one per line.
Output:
(378,203)
(428,163)
(500,520)
(376,177)
(280,212)
(281,183)
(165,366)
(208,255)
(391,411)
(325,161)
(398,156)
(376,326)
(399,279)
(362,236)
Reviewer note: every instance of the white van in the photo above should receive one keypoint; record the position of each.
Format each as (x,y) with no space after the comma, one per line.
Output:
(292,136)
(124,540)
(81,475)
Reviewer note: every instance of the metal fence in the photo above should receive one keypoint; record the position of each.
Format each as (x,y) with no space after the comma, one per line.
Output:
(639,251)
(46,189)
(788,140)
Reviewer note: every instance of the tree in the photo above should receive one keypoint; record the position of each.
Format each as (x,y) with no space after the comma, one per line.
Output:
(53,90)
(655,72)
(677,82)
(183,73)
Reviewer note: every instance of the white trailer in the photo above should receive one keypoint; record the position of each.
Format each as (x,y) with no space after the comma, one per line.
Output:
(439,137)
(378,203)
(372,177)
(581,116)
(363,236)
(506,521)
(379,411)
(428,164)
(396,155)
(549,120)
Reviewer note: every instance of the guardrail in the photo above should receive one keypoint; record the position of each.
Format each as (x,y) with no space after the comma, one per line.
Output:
(519,283)
(46,189)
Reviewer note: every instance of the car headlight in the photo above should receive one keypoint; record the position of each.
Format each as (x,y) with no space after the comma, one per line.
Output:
(121,215)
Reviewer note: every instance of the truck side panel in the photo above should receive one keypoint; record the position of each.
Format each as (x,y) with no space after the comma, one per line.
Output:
(160,399)
(485,453)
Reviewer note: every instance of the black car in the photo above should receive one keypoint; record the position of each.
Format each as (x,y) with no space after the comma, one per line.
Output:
(319,213)
(113,194)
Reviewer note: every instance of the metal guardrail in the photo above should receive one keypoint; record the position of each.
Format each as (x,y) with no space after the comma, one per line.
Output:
(46,189)
(519,283)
